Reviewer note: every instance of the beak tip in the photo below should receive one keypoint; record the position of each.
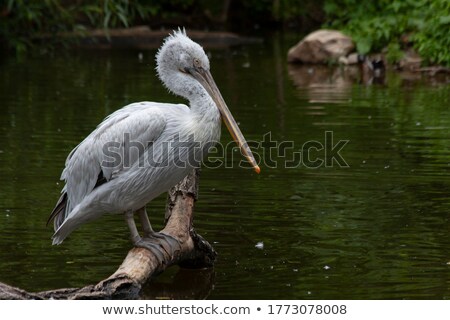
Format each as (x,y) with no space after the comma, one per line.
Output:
(257,169)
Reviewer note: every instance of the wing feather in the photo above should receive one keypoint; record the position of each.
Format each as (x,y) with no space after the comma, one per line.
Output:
(111,148)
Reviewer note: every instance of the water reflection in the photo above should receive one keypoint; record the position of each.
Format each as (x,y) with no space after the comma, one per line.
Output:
(320,80)
(327,84)
(185,284)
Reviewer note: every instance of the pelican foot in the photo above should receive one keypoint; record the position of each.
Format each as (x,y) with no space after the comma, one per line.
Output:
(151,245)
(170,241)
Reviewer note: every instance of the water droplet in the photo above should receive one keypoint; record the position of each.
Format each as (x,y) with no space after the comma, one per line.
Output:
(259,245)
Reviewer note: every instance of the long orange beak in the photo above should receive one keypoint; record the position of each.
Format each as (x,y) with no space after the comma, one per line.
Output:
(206,80)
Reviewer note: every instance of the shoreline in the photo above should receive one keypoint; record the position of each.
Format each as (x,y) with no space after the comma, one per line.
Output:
(142,37)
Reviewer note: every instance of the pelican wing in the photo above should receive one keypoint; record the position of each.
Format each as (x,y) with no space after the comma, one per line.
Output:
(115,145)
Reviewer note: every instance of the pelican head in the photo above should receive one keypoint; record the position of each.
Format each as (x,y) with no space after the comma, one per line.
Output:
(175,58)
(183,67)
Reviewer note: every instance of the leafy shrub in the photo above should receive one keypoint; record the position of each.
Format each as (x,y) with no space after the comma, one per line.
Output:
(433,38)
(377,24)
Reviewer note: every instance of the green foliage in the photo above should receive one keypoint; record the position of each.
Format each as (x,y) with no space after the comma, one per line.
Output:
(27,19)
(377,24)
(23,21)
(433,39)
(373,25)
(394,53)
(117,13)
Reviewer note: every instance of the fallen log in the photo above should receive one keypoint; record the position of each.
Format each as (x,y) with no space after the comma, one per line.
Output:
(187,249)
(142,37)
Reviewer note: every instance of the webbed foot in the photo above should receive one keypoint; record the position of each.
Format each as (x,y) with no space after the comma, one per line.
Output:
(152,245)
(162,237)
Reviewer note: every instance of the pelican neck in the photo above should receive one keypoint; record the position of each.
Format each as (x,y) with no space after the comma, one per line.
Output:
(204,108)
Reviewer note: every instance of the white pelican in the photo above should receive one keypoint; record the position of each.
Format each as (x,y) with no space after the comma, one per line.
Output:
(174,137)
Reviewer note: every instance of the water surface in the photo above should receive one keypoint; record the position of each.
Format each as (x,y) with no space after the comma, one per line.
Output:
(376,229)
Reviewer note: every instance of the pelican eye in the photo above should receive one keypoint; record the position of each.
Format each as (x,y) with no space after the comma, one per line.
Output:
(197,63)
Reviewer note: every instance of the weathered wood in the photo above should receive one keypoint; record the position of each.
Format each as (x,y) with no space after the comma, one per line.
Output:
(182,246)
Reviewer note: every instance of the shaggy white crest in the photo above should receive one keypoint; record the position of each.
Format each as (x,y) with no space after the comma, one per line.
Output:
(177,53)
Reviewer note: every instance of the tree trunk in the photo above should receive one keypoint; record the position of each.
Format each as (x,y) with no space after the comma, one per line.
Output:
(183,246)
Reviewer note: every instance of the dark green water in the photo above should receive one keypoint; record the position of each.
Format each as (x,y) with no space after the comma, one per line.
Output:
(376,229)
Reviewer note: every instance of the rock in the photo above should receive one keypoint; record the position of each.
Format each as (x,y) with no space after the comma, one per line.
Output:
(410,61)
(321,46)
(351,59)
(343,60)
